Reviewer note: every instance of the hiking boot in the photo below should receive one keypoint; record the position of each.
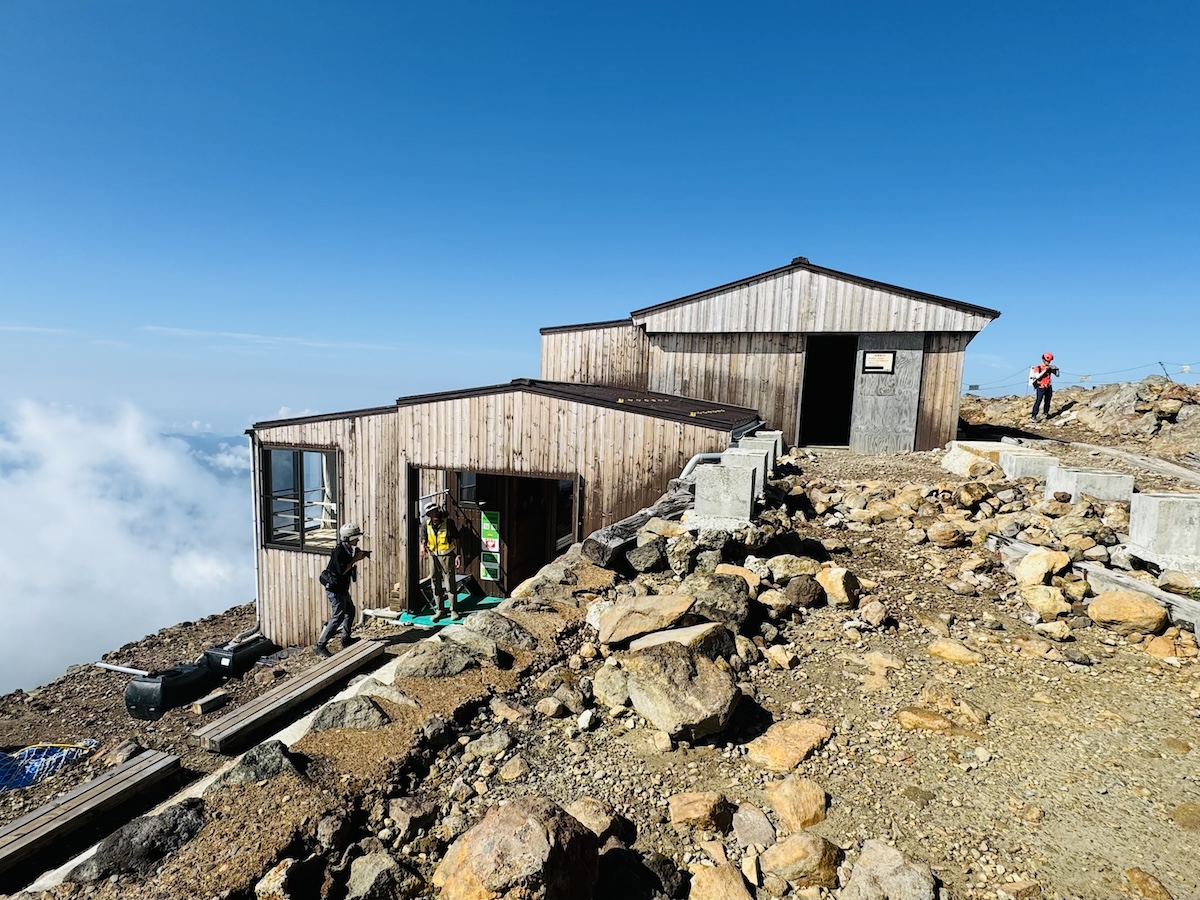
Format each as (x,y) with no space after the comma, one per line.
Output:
(322,651)
(348,641)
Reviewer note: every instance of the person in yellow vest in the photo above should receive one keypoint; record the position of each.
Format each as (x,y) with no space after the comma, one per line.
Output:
(440,542)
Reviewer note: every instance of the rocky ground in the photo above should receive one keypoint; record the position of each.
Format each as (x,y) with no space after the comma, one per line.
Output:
(1155,415)
(869,676)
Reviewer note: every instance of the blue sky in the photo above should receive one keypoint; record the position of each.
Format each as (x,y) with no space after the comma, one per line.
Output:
(221,211)
(215,213)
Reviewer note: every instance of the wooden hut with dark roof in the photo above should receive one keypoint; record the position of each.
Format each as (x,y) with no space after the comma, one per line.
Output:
(829,358)
(546,462)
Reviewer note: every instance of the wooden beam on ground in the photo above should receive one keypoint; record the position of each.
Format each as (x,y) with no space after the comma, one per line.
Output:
(1153,463)
(215,700)
(607,545)
(48,824)
(1101,578)
(235,728)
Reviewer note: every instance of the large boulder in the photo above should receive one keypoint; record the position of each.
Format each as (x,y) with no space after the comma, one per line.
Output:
(474,642)
(376,876)
(1038,565)
(722,882)
(841,586)
(681,692)
(138,847)
(884,873)
(530,847)
(354,712)
(787,566)
(268,759)
(631,617)
(708,638)
(719,598)
(501,629)
(648,557)
(435,659)
(787,744)
(1047,601)
(1127,612)
(798,802)
(804,859)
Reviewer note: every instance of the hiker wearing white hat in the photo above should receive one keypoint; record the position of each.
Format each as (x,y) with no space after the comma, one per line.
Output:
(336,579)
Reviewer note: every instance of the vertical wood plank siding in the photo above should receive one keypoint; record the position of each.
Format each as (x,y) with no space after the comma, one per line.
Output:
(941,389)
(610,355)
(802,301)
(758,371)
(291,602)
(624,459)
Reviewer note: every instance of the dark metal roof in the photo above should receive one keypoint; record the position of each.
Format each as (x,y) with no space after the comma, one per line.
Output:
(801,263)
(322,417)
(706,413)
(612,323)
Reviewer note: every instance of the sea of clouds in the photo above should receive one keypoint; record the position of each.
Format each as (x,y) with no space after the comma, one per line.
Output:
(111,530)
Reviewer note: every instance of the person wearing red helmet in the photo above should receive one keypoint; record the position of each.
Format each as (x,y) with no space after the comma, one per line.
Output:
(1039,380)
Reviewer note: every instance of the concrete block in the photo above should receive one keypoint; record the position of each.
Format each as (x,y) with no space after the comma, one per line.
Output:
(1164,528)
(726,492)
(1103,484)
(776,436)
(736,457)
(1026,464)
(763,445)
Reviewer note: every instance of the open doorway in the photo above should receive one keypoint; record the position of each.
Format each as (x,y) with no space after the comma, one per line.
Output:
(827,395)
(512,525)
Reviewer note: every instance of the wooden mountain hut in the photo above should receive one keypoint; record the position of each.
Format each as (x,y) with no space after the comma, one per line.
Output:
(531,465)
(827,357)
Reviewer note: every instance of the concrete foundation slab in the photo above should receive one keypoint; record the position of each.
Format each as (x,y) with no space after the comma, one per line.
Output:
(1164,528)
(989,450)
(1026,464)
(726,492)
(737,457)
(1103,484)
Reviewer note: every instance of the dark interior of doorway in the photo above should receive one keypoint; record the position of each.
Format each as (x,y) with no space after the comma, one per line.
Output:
(827,397)
(537,521)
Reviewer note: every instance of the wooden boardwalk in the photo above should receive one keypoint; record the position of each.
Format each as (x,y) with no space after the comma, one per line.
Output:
(234,729)
(47,824)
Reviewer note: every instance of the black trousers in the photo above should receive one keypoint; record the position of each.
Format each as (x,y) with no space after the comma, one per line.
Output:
(343,618)
(1043,393)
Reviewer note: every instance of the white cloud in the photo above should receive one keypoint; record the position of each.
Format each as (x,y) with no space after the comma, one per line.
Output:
(286,412)
(111,531)
(231,459)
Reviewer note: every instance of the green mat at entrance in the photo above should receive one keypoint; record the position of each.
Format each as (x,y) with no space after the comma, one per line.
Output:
(467,604)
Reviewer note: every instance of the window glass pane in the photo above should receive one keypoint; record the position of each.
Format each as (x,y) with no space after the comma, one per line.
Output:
(282,468)
(564,514)
(467,487)
(320,498)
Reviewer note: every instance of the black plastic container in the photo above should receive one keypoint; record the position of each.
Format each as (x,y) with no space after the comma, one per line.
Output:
(149,696)
(241,659)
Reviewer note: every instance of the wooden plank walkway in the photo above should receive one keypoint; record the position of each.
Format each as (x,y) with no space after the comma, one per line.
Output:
(231,730)
(47,824)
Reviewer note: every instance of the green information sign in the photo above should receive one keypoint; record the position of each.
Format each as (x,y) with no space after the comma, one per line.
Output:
(489,556)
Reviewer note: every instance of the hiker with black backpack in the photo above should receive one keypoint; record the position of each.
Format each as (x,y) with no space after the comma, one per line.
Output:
(336,578)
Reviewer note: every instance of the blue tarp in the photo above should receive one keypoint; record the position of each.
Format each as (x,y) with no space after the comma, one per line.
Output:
(39,762)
